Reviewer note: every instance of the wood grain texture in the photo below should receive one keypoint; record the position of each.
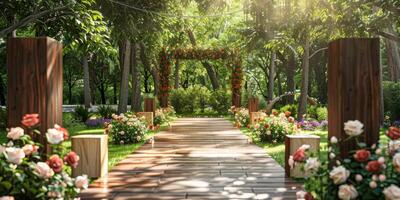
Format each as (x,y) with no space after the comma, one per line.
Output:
(93,155)
(149,105)
(292,143)
(354,87)
(35,81)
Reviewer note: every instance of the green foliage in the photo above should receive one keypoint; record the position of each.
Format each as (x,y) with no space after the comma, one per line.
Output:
(106,111)
(3,118)
(127,129)
(164,115)
(81,113)
(292,108)
(220,101)
(322,113)
(391,99)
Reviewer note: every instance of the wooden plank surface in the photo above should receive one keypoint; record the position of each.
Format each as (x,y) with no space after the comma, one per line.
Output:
(354,88)
(201,158)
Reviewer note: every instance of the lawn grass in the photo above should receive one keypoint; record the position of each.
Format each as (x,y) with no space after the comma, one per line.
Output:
(116,152)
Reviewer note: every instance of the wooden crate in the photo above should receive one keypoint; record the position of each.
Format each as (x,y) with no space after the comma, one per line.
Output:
(93,154)
(292,143)
(149,118)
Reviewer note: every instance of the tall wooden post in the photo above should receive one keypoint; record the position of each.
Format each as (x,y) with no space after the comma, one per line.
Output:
(149,105)
(35,81)
(354,88)
(253,104)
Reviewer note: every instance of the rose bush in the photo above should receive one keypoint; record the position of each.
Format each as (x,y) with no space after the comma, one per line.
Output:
(127,129)
(367,173)
(164,115)
(274,127)
(26,173)
(242,117)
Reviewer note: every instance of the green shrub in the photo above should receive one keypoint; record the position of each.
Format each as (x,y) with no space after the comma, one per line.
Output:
(391,99)
(106,111)
(126,129)
(3,118)
(322,113)
(220,101)
(81,114)
(292,108)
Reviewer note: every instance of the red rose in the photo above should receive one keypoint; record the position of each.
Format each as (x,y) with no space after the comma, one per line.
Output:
(362,155)
(30,120)
(299,155)
(308,196)
(55,163)
(373,166)
(393,133)
(72,159)
(288,113)
(266,126)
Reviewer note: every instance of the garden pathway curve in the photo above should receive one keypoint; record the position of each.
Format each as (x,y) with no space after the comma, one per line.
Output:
(196,158)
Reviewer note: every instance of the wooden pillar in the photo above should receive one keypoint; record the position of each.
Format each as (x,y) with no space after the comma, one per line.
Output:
(149,105)
(35,81)
(253,104)
(354,87)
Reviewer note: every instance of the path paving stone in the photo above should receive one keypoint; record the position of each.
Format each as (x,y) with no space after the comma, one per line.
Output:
(196,158)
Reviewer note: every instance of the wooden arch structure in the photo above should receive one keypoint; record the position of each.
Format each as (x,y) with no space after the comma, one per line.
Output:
(230,55)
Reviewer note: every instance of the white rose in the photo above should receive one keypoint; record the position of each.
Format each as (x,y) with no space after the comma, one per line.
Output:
(305,147)
(394,145)
(82,182)
(54,136)
(353,128)
(339,174)
(396,162)
(333,140)
(359,177)
(15,133)
(312,164)
(28,149)
(347,192)
(15,155)
(44,170)
(301,194)
(392,192)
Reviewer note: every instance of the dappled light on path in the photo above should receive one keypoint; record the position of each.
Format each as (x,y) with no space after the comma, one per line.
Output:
(196,158)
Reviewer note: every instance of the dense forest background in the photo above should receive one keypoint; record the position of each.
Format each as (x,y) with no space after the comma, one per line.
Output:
(112,47)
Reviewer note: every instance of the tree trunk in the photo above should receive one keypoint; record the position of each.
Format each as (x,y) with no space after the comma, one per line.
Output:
(70,93)
(102,91)
(280,90)
(176,75)
(210,71)
(146,81)
(124,88)
(290,84)
(136,96)
(115,98)
(271,77)
(153,71)
(86,82)
(393,57)
(305,79)
(320,78)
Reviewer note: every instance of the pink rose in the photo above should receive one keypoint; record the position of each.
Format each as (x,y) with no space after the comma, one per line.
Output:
(15,155)
(29,149)
(63,130)
(55,163)
(347,192)
(44,170)
(30,120)
(392,192)
(72,159)
(299,155)
(82,182)
(15,133)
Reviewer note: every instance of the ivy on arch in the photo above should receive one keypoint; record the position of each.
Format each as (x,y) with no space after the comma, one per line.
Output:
(230,55)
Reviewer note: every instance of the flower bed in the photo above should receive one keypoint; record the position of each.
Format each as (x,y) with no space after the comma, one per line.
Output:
(97,122)
(312,125)
(26,172)
(275,127)
(126,129)
(242,117)
(164,115)
(367,173)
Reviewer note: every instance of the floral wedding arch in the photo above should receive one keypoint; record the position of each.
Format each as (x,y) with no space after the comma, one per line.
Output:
(230,55)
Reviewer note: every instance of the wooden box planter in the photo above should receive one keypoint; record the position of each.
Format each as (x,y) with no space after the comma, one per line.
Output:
(292,143)
(93,154)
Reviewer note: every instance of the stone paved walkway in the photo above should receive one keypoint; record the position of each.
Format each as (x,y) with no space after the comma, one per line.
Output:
(197,158)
